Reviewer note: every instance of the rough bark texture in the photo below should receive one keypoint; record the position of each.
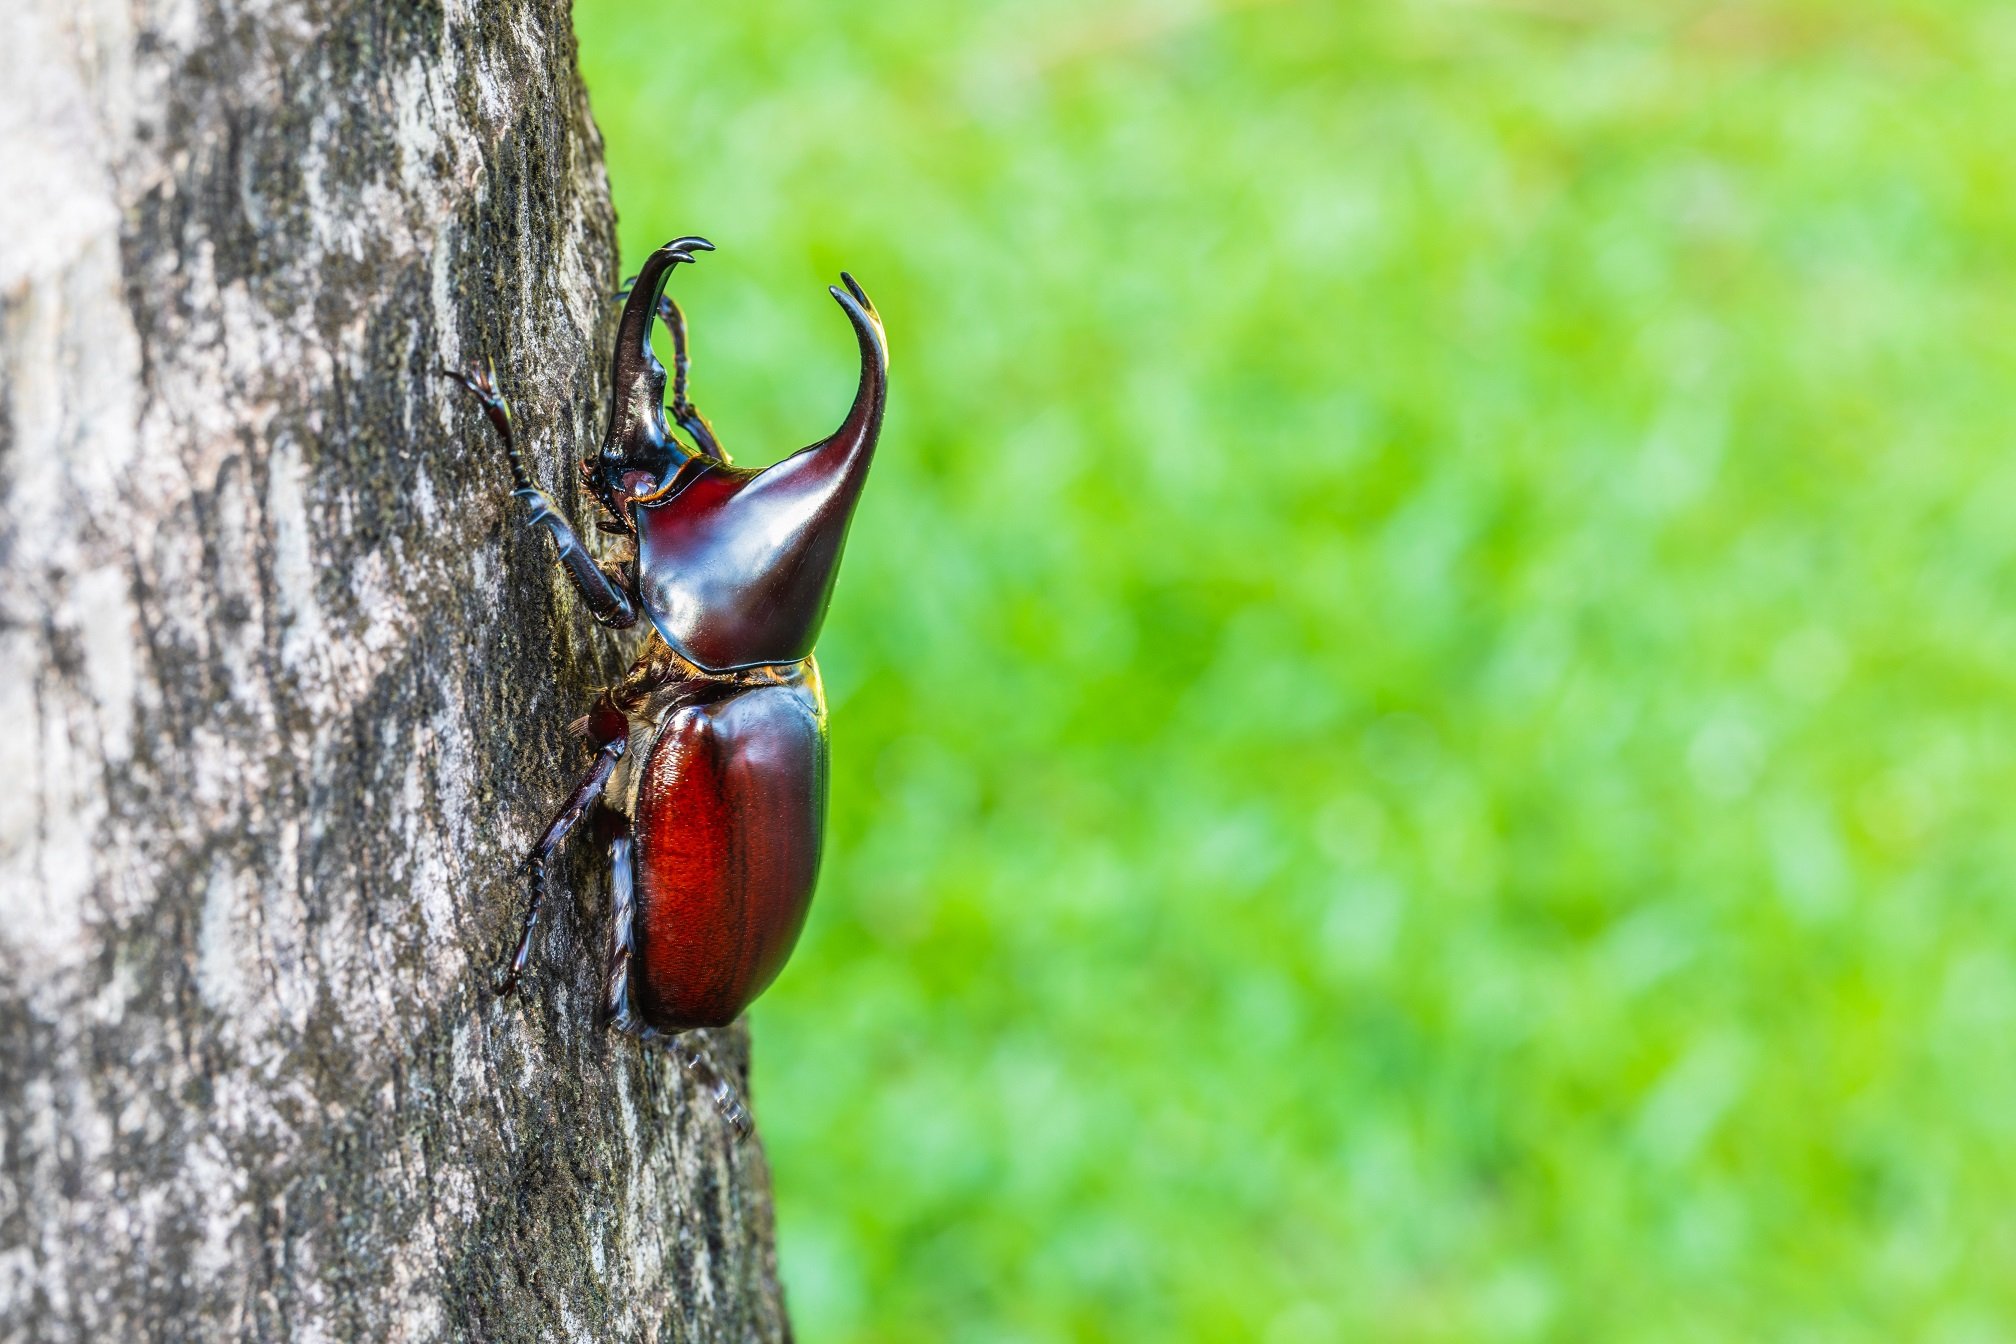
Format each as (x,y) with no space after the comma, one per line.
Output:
(284,687)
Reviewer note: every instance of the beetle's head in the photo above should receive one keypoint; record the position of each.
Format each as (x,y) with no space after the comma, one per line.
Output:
(736,567)
(639,454)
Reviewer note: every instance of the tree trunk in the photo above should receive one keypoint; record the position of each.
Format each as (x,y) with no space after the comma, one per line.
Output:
(284,694)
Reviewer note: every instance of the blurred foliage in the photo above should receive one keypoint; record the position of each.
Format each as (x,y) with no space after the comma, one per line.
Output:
(1422,697)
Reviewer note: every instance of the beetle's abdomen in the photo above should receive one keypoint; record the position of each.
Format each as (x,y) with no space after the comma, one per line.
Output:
(731,810)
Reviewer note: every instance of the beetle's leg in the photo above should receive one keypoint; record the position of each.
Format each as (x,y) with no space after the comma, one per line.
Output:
(619,1008)
(584,796)
(684,413)
(618,1011)
(602,591)
(694,1057)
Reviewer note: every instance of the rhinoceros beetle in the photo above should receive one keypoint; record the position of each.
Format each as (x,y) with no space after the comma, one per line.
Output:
(709,774)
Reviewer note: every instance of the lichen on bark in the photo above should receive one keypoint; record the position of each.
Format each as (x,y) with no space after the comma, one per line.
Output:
(284,688)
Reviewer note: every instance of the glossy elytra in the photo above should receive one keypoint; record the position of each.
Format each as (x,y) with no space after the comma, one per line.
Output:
(709,776)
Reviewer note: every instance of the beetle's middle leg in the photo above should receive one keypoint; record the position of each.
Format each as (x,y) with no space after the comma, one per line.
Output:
(585,796)
(602,591)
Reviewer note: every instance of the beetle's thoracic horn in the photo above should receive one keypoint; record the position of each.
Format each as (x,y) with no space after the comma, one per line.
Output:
(840,460)
(737,568)
(864,420)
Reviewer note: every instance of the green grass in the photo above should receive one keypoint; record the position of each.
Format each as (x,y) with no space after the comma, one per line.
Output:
(1424,697)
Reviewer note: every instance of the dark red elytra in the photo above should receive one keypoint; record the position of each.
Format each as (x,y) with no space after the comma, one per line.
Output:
(730,809)
(709,778)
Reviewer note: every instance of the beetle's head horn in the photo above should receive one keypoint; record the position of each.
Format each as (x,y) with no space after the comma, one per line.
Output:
(738,567)
(639,453)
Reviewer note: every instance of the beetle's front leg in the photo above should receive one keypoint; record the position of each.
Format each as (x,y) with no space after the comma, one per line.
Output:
(585,796)
(603,592)
(684,413)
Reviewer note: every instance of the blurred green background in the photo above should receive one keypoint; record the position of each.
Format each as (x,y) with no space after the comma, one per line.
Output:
(1422,697)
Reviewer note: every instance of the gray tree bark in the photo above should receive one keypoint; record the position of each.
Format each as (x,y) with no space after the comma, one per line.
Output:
(284,687)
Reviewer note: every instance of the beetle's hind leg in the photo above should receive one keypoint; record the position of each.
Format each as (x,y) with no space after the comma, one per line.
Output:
(619,1008)
(693,1056)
